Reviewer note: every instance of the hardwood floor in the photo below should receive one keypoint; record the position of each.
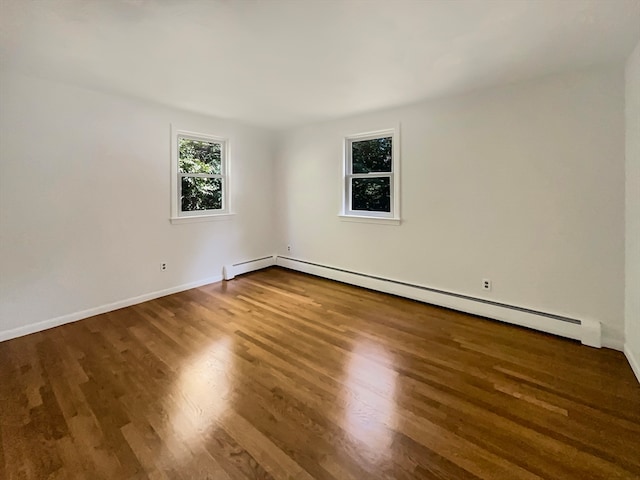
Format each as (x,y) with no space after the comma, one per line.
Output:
(281,375)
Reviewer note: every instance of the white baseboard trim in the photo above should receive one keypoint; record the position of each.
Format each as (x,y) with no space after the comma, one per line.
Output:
(633,360)
(74,317)
(230,271)
(586,331)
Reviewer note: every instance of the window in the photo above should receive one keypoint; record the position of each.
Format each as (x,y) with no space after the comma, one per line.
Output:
(371,179)
(200,176)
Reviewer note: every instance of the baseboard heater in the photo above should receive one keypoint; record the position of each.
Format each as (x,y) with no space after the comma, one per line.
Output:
(586,331)
(230,271)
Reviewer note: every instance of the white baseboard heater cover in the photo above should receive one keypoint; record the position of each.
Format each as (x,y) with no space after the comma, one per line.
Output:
(230,271)
(586,331)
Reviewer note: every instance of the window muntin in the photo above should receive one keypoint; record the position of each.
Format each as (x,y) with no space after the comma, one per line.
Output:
(370,175)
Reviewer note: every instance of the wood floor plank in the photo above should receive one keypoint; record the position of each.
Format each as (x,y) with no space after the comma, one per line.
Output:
(281,375)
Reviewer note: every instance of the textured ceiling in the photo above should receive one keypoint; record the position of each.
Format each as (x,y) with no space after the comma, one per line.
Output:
(283,62)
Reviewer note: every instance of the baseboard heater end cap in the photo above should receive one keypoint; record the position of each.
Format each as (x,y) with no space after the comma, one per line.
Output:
(228,272)
(591,334)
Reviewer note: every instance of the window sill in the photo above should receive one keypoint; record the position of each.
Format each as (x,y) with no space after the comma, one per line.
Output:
(201,218)
(364,219)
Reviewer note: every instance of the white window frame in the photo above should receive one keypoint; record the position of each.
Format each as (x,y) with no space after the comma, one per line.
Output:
(177,215)
(393,216)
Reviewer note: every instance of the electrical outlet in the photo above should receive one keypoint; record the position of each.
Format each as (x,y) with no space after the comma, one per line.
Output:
(163,267)
(289,248)
(486,284)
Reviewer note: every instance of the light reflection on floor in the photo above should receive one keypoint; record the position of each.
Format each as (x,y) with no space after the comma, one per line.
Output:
(370,411)
(201,394)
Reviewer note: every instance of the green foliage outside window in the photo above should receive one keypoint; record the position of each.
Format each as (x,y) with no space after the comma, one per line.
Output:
(371,156)
(371,194)
(200,157)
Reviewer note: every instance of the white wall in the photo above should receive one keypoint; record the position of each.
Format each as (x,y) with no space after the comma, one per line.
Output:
(522,184)
(84,201)
(632,260)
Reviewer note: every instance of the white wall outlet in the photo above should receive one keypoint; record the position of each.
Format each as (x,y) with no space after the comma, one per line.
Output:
(163,266)
(288,248)
(486,284)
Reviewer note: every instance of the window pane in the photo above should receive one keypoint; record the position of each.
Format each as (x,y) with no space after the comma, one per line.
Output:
(195,156)
(371,194)
(371,155)
(201,194)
